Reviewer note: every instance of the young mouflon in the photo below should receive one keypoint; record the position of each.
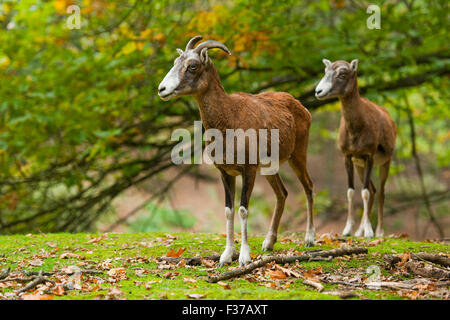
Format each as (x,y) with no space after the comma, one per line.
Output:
(194,74)
(366,138)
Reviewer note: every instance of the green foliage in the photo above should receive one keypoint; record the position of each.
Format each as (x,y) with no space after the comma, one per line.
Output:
(80,120)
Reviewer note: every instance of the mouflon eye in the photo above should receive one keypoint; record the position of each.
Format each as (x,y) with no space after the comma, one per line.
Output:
(192,68)
(342,76)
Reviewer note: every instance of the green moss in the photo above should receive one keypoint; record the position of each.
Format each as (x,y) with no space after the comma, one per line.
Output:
(17,251)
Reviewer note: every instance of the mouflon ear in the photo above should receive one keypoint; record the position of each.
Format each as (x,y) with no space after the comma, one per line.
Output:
(204,56)
(326,62)
(354,65)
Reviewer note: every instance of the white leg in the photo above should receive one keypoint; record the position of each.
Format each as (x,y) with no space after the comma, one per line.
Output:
(227,255)
(350,221)
(310,235)
(244,255)
(365,226)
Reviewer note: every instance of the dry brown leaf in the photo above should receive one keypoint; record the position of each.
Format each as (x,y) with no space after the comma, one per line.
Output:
(405,257)
(100,238)
(114,293)
(67,255)
(175,253)
(276,274)
(181,264)
(290,272)
(196,295)
(191,280)
(208,263)
(58,290)
(36,262)
(140,272)
(224,285)
(375,242)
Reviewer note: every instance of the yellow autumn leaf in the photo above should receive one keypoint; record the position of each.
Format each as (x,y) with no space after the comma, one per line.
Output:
(145,34)
(61,5)
(4,62)
(139,45)
(129,48)
(159,37)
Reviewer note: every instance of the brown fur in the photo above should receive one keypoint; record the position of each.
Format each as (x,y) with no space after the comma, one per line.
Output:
(366,133)
(268,110)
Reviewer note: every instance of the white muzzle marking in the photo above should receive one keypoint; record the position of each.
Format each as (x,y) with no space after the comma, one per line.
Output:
(170,82)
(325,85)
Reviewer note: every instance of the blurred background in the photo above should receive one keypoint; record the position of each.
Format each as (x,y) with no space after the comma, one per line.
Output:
(85,140)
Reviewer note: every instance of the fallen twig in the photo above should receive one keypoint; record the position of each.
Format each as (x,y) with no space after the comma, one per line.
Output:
(281,259)
(85,271)
(195,261)
(314,284)
(443,261)
(430,272)
(5,273)
(38,280)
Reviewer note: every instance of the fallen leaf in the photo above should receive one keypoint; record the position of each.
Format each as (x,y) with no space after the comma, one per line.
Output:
(67,255)
(175,254)
(191,280)
(100,238)
(224,285)
(404,258)
(140,272)
(375,242)
(276,274)
(208,263)
(114,293)
(58,290)
(36,262)
(196,295)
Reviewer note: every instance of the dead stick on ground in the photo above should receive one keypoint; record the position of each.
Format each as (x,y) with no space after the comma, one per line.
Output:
(281,259)
(443,261)
(416,268)
(5,273)
(85,271)
(314,284)
(38,280)
(193,261)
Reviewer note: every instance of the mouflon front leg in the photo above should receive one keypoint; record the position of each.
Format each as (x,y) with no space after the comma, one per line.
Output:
(350,192)
(368,197)
(248,181)
(229,183)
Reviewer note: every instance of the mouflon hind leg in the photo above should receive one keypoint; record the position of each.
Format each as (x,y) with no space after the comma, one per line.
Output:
(300,170)
(384,172)
(281,193)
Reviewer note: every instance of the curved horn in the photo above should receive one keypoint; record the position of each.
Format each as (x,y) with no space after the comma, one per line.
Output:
(211,44)
(192,42)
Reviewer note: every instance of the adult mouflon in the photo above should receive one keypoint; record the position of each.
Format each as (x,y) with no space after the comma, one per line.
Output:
(194,74)
(366,138)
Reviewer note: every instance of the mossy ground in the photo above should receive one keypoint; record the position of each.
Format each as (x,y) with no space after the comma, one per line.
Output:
(131,251)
